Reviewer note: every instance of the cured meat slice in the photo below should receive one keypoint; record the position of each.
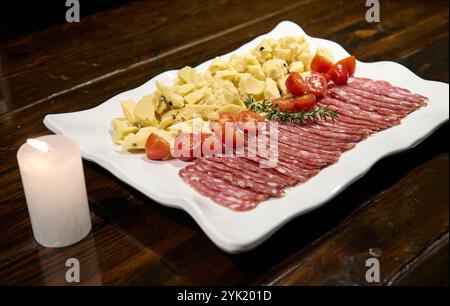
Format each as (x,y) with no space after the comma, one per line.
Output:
(391,87)
(366,127)
(301,178)
(385,99)
(239,172)
(238,181)
(339,127)
(310,160)
(303,143)
(219,191)
(364,105)
(325,132)
(346,117)
(289,136)
(351,110)
(323,136)
(384,90)
(302,148)
(250,166)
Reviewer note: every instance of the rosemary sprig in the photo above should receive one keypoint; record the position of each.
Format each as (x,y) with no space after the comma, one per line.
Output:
(301,117)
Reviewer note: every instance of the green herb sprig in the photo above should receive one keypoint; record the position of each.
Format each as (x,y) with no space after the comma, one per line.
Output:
(274,113)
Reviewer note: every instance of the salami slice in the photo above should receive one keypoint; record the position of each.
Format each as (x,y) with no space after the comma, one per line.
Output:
(376,107)
(289,135)
(241,173)
(389,91)
(350,110)
(310,160)
(323,136)
(238,181)
(253,169)
(281,169)
(385,99)
(303,143)
(345,128)
(217,184)
(364,106)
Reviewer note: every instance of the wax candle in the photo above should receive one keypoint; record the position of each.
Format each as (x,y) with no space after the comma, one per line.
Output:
(55,190)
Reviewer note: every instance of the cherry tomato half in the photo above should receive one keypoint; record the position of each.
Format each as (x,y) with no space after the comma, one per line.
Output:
(295,84)
(321,64)
(296,104)
(350,63)
(305,103)
(339,74)
(156,148)
(187,146)
(227,132)
(211,145)
(248,121)
(316,83)
(284,104)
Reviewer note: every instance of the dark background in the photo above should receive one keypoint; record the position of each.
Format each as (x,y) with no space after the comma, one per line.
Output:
(20,17)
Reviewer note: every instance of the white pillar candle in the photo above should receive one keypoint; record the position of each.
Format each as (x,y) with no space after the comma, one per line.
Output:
(55,190)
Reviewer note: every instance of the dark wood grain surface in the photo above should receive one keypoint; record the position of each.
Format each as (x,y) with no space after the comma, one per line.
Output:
(398,212)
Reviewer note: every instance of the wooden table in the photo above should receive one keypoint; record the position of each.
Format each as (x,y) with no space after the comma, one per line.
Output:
(398,212)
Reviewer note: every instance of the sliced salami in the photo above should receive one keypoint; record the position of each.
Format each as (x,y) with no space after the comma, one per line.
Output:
(241,173)
(209,186)
(252,168)
(303,143)
(389,91)
(281,169)
(310,160)
(238,181)
(351,110)
(338,127)
(363,106)
(385,99)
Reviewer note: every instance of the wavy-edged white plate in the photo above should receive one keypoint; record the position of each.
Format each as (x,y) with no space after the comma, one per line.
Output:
(236,232)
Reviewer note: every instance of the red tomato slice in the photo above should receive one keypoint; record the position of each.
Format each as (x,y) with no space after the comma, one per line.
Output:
(285,104)
(350,63)
(321,64)
(187,146)
(211,145)
(156,148)
(295,84)
(305,103)
(248,121)
(339,74)
(295,104)
(316,83)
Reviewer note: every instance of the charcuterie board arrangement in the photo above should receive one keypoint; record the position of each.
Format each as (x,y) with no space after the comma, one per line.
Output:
(249,140)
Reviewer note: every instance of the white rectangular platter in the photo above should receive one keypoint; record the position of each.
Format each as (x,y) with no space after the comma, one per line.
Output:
(233,231)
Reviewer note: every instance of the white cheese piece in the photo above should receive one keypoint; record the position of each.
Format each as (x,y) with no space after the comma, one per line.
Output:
(271,91)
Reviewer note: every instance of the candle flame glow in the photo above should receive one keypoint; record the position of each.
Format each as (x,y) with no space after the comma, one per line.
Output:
(38,145)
